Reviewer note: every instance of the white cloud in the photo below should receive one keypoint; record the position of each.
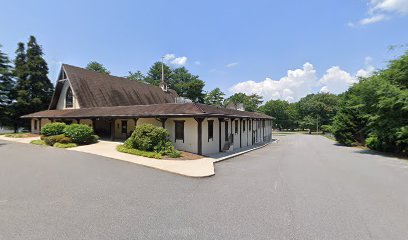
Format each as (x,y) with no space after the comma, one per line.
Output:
(372,19)
(234,64)
(300,82)
(172,59)
(391,6)
(379,10)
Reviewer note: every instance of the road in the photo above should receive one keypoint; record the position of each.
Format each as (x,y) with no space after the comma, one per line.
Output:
(304,187)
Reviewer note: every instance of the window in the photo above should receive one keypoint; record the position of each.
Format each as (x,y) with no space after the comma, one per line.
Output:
(243,126)
(179,131)
(210,130)
(124,126)
(236,126)
(69,99)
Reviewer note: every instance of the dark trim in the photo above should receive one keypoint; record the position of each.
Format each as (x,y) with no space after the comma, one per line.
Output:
(199,135)
(175,132)
(163,122)
(39,124)
(94,124)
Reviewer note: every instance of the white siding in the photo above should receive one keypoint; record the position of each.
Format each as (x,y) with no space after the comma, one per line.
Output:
(61,100)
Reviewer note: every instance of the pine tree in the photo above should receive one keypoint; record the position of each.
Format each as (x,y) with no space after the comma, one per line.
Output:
(33,89)
(97,67)
(6,86)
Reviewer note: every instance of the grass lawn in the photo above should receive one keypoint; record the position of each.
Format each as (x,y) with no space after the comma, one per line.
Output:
(20,135)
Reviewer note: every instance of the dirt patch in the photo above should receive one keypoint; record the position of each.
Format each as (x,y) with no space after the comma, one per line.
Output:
(185,156)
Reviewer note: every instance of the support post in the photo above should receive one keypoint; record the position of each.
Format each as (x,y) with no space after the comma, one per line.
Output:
(220,120)
(51,119)
(112,129)
(39,124)
(247,129)
(240,132)
(163,122)
(199,135)
(78,120)
(94,124)
(232,133)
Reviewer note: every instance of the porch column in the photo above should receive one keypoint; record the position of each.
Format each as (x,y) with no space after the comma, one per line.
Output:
(220,120)
(112,128)
(263,130)
(247,129)
(51,119)
(39,124)
(135,120)
(163,122)
(94,124)
(240,132)
(232,133)
(199,135)
(253,131)
(78,120)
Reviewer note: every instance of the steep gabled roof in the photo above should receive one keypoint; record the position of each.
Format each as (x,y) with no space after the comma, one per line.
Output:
(155,110)
(94,89)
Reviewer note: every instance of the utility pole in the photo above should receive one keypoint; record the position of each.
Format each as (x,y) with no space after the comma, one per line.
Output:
(162,73)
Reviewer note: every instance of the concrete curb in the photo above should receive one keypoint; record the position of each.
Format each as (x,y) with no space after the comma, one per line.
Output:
(246,151)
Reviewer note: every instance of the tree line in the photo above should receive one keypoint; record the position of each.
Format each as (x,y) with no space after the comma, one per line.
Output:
(372,112)
(24,84)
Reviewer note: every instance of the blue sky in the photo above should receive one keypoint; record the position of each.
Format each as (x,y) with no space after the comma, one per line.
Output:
(246,46)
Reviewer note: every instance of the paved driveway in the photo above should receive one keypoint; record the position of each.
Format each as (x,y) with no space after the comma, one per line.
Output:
(305,187)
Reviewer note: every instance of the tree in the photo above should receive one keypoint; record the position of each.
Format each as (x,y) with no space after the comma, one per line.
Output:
(33,89)
(154,75)
(283,112)
(6,87)
(187,85)
(308,122)
(322,105)
(215,97)
(180,80)
(97,67)
(136,76)
(251,102)
(375,110)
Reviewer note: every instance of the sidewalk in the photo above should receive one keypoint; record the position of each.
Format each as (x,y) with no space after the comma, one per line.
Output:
(203,167)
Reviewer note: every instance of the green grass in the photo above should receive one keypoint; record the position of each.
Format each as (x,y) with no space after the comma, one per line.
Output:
(18,135)
(38,142)
(123,149)
(65,145)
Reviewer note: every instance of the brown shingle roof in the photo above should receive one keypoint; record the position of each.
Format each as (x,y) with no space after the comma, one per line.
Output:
(94,89)
(154,110)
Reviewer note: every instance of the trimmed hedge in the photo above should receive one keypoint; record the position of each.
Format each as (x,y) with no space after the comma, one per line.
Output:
(51,140)
(51,129)
(65,145)
(124,149)
(38,142)
(148,137)
(80,133)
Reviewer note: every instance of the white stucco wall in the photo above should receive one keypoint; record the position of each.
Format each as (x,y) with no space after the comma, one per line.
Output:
(61,100)
(210,145)
(43,122)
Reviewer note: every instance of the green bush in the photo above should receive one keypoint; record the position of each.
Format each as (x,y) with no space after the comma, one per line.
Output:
(80,133)
(170,151)
(51,140)
(38,142)
(65,145)
(148,137)
(373,142)
(326,128)
(124,149)
(51,129)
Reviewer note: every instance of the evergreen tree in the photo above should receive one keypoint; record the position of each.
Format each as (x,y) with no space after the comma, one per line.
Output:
(251,102)
(33,90)
(187,85)
(136,76)
(215,97)
(154,75)
(6,86)
(97,67)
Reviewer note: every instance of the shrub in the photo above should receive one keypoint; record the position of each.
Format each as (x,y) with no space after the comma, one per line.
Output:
(373,142)
(124,149)
(148,137)
(326,128)
(65,145)
(51,140)
(79,133)
(170,151)
(51,129)
(38,142)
